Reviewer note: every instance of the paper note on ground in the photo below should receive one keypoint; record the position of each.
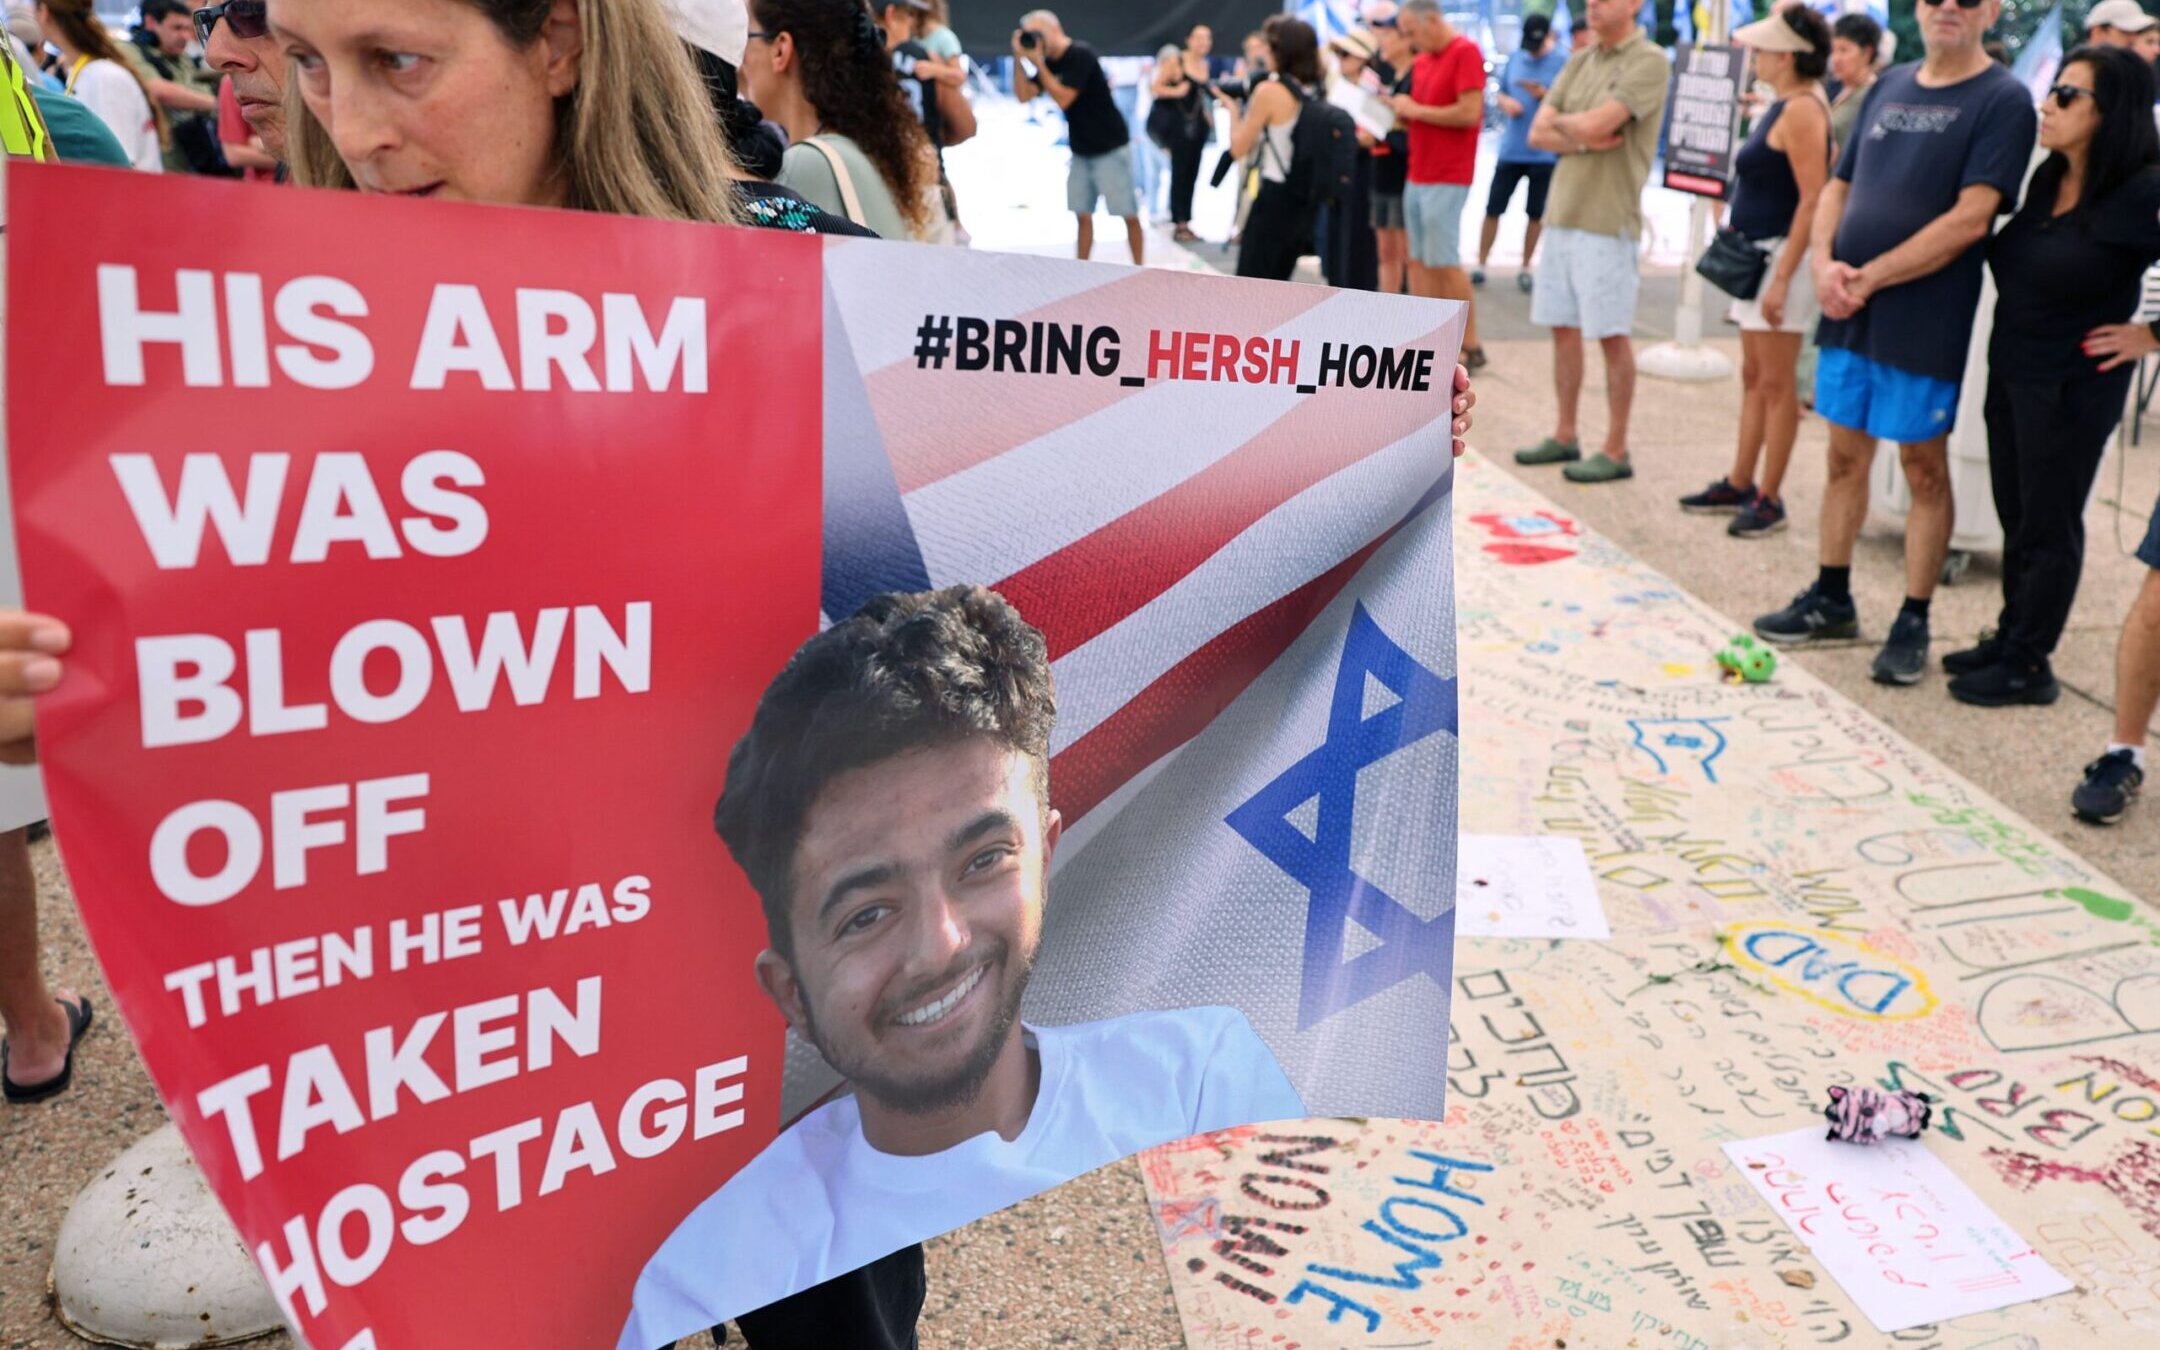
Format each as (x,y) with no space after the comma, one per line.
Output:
(1515,886)
(1907,1241)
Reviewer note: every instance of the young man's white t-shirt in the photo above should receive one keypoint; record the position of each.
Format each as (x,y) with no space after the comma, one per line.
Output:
(108,90)
(820,1201)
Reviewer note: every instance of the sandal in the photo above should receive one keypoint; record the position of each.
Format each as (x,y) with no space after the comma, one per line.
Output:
(78,1016)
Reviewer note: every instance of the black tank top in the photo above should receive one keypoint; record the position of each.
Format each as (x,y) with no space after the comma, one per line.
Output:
(1765,193)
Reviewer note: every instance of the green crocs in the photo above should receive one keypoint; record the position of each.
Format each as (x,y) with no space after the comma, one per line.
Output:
(1598,469)
(1550,451)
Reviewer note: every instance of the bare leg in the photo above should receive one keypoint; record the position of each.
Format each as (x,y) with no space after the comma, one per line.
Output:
(37,1026)
(1394,248)
(1529,242)
(1781,406)
(1619,392)
(1087,235)
(2137,665)
(1487,233)
(1845,493)
(1929,523)
(1567,376)
(1135,239)
(1453,283)
(1424,280)
(1748,450)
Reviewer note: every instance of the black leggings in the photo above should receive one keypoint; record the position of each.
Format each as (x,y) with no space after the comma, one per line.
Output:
(1185,157)
(2045,442)
(1277,234)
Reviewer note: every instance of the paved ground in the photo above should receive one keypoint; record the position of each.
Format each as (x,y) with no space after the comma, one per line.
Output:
(1081,1265)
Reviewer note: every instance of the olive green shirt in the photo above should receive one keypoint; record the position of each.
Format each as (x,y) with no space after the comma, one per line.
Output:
(186,74)
(1600,191)
(1845,115)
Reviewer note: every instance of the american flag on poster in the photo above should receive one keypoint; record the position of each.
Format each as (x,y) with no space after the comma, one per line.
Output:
(1246,583)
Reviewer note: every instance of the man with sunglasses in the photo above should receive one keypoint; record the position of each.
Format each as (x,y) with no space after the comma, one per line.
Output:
(1940,149)
(237,43)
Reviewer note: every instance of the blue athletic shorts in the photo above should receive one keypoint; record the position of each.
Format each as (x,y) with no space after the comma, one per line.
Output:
(2148,552)
(1885,402)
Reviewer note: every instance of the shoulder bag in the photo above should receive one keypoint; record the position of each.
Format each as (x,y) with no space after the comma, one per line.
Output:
(1733,265)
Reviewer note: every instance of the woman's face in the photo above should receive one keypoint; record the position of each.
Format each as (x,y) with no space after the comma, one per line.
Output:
(2068,128)
(1773,67)
(1351,66)
(767,64)
(426,98)
(1849,61)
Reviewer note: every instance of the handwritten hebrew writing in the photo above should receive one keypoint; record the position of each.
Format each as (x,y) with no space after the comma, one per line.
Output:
(1798,898)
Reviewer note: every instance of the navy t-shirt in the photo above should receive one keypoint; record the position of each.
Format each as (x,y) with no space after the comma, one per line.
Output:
(1912,152)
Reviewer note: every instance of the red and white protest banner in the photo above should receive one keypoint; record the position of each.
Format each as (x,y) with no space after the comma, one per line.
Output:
(414,561)
(426,562)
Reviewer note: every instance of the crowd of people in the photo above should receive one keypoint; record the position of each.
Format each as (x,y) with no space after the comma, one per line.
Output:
(1875,198)
(822,116)
(1897,236)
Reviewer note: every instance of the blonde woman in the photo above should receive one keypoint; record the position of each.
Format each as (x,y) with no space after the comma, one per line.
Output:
(587,104)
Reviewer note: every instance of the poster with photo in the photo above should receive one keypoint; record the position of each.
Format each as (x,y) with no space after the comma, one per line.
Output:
(692,759)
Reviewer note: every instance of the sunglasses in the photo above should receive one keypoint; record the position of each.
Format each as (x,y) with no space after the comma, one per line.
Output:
(248,19)
(2067,95)
(1961,4)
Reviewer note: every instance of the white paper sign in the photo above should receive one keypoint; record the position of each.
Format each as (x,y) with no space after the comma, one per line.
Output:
(1368,110)
(1526,886)
(1908,1242)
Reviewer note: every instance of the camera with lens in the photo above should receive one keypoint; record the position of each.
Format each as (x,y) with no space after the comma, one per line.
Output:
(1240,90)
(1030,39)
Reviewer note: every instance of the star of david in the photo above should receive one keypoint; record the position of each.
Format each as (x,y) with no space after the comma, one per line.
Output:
(1407,944)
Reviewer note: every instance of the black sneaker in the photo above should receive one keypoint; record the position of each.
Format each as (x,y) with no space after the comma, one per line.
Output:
(1810,616)
(2110,782)
(1719,498)
(1903,658)
(1982,654)
(2006,684)
(1763,516)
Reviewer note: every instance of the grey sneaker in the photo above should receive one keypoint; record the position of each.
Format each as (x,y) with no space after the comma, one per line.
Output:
(1903,658)
(1810,616)
(2110,783)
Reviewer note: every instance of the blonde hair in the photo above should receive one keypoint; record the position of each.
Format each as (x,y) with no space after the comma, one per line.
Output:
(80,27)
(635,138)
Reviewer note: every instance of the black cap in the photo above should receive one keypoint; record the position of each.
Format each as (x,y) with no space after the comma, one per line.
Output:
(1536,29)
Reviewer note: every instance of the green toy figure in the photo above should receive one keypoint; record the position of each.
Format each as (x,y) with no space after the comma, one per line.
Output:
(1746,659)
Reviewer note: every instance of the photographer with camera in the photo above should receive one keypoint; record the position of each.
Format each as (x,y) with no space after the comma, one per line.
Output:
(1046,61)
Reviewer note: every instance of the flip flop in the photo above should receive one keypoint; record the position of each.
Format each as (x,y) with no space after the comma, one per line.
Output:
(78,1016)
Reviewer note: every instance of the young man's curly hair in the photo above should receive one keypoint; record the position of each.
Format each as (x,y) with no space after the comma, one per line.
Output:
(907,671)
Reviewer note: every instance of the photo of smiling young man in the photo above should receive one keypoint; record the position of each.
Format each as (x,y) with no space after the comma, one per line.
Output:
(890,805)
